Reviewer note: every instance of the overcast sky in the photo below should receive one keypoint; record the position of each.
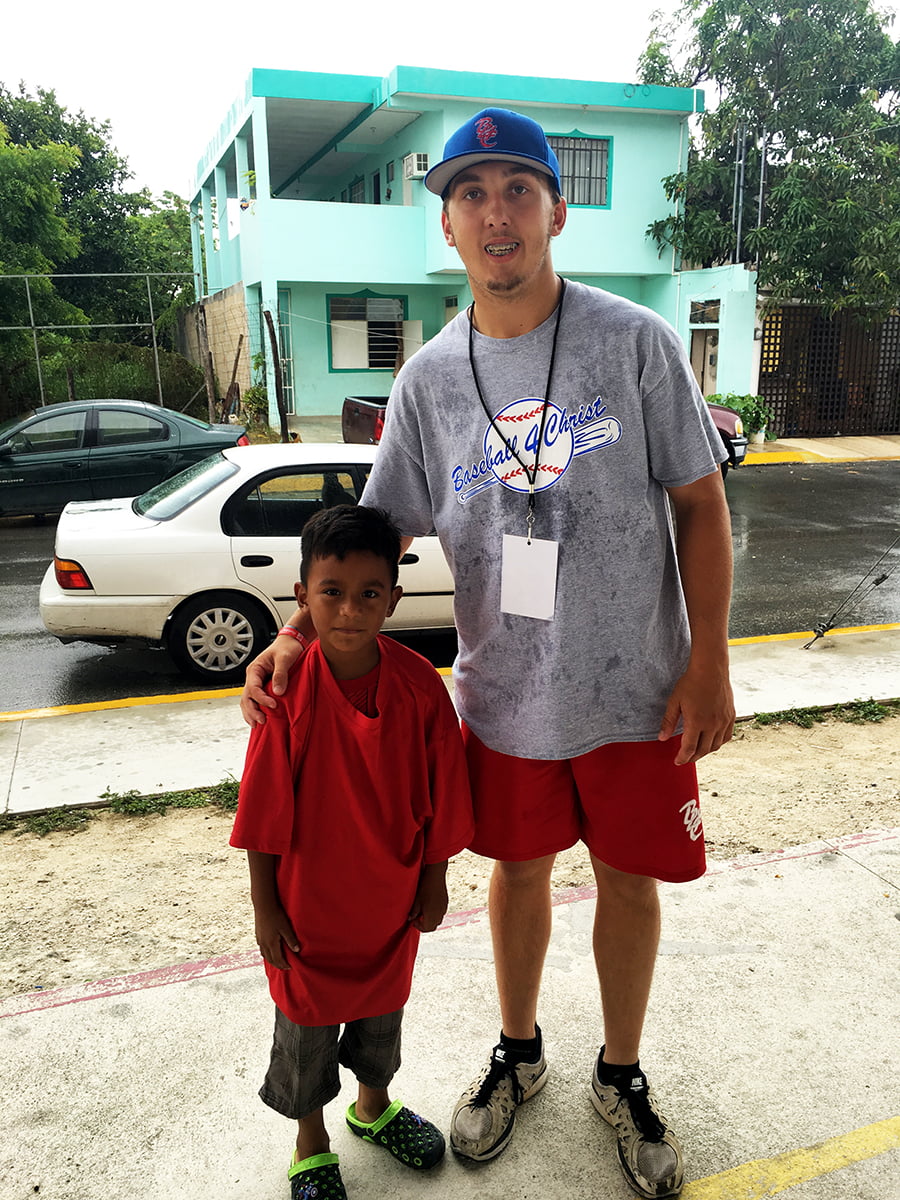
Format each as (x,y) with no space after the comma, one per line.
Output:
(164,73)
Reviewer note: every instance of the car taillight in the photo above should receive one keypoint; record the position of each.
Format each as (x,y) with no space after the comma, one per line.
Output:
(71,576)
(379,427)
(243,440)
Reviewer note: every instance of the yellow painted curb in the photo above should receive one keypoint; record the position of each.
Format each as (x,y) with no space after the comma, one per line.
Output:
(761,457)
(67,710)
(800,637)
(771,1176)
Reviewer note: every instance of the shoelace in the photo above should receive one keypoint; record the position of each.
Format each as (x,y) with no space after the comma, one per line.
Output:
(648,1123)
(496,1072)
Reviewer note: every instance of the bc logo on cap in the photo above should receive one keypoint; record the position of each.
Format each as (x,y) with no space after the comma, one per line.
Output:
(486,132)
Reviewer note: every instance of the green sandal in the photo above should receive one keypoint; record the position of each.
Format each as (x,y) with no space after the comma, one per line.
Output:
(410,1138)
(316,1178)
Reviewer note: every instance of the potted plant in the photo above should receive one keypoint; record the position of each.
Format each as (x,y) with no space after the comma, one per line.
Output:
(755,414)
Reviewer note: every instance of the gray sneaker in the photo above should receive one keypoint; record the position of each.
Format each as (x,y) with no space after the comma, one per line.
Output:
(483,1120)
(649,1153)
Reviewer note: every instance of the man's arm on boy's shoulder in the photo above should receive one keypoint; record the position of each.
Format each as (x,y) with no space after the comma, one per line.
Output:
(275,663)
(273,929)
(431,900)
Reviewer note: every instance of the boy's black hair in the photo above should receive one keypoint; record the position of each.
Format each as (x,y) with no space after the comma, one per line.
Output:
(350,529)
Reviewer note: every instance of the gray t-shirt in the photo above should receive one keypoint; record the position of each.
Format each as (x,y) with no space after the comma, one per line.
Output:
(625,420)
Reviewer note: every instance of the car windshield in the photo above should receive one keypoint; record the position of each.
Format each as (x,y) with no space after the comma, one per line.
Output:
(174,495)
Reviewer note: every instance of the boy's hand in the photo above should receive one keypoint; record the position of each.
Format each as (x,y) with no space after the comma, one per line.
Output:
(275,661)
(273,932)
(431,900)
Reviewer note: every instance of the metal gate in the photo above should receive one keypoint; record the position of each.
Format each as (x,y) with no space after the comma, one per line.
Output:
(830,376)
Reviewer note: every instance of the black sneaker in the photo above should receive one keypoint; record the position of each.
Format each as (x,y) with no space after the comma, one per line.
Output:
(649,1153)
(485,1114)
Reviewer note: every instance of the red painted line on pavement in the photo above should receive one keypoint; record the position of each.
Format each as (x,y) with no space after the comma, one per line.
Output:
(32,1002)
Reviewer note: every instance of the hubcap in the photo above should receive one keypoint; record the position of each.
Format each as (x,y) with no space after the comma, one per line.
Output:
(219,639)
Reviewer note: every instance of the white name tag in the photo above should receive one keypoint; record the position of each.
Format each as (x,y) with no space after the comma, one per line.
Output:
(528,577)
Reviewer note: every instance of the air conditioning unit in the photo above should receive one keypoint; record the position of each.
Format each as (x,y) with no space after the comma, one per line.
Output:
(415,166)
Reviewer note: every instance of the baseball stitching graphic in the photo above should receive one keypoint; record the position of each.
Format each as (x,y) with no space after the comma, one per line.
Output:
(566,435)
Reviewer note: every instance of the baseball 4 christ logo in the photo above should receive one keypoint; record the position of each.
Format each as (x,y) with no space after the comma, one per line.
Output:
(511,444)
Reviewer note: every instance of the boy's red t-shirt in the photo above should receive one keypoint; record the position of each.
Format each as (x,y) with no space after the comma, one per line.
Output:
(353,806)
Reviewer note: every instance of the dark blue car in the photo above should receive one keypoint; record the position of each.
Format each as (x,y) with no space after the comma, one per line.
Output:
(98,449)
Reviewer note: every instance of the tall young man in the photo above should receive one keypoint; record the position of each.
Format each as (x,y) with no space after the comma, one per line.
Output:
(549,434)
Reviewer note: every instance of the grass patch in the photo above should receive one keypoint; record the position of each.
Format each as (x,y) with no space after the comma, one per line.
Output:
(222,795)
(132,804)
(856,712)
(860,711)
(57,820)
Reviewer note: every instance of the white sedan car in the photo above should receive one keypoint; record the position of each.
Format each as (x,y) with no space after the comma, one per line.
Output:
(204,564)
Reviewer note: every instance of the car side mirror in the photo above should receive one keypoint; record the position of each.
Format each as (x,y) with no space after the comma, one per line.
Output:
(5,449)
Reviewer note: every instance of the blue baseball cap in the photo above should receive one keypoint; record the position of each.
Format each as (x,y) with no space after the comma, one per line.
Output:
(491,135)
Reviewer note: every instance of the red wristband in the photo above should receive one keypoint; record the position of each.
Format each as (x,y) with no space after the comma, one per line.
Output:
(292,631)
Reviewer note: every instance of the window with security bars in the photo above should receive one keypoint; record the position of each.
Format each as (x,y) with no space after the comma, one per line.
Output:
(583,168)
(366,332)
(358,191)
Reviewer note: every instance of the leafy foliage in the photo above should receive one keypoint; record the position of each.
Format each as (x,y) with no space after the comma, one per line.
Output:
(810,92)
(754,412)
(66,209)
(855,712)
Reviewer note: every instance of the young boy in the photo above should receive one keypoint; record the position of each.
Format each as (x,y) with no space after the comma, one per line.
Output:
(354,796)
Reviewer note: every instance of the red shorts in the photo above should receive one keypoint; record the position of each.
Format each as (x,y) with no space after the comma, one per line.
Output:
(627,801)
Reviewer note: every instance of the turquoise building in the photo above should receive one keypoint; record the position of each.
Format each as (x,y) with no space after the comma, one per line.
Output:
(309,204)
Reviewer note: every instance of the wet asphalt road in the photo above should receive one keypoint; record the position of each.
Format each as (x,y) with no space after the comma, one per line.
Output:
(804,536)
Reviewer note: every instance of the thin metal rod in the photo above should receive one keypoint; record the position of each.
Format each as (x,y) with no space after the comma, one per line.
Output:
(34,329)
(740,216)
(155,349)
(99,275)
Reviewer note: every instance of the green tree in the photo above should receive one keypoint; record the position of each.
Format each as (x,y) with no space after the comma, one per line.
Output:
(81,220)
(796,168)
(160,241)
(92,198)
(34,238)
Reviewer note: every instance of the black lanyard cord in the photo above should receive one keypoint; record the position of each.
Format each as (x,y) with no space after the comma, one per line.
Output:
(530,473)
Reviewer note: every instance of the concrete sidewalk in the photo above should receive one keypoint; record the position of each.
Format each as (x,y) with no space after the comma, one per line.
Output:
(772,1040)
(830,449)
(772,1036)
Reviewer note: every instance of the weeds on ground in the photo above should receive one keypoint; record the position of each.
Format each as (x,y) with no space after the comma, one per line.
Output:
(221,795)
(856,712)
(57,820)
(127,804)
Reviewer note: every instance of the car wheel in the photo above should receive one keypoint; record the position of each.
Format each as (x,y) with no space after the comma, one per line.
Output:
(215,635)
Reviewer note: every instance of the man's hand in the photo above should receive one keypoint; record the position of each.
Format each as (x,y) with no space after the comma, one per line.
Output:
(275,662)
(702,699)
(431,899)
(273,932)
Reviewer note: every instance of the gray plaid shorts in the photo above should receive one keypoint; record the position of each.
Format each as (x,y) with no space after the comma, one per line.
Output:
(303,1071)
